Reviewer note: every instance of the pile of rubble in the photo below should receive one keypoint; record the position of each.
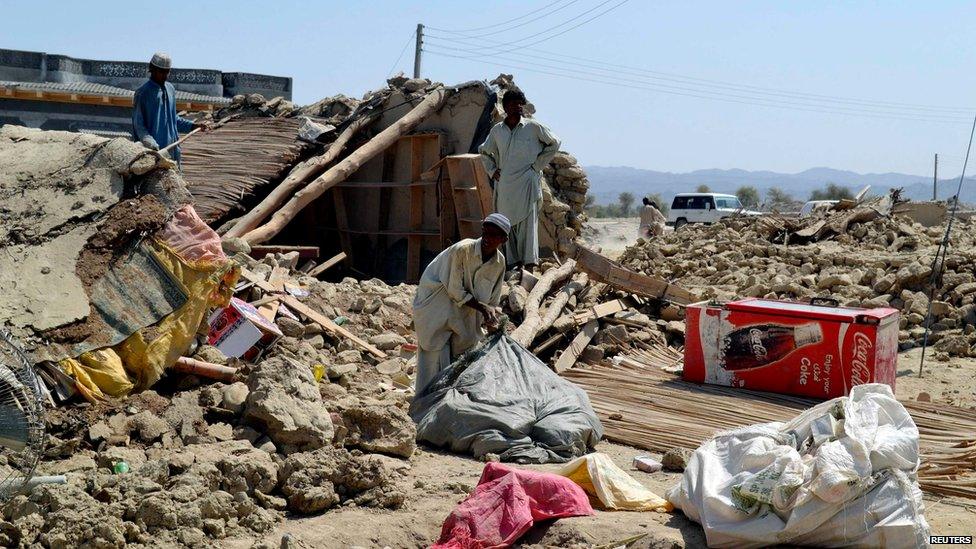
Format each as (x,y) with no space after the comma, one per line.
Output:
(312,424)
(861,258)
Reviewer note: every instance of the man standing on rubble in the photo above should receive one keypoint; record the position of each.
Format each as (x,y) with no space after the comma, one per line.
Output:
(516,151)
(457,296)
(652,221)
(154,120)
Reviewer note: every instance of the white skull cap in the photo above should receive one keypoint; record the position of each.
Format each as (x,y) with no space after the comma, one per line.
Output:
(161,60)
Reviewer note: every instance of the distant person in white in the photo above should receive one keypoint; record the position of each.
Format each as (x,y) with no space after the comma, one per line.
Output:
(516,151)
(651,220)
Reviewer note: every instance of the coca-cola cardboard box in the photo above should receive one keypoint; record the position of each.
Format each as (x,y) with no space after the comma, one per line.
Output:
(788,347)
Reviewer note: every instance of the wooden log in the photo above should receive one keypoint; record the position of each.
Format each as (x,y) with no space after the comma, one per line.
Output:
(517,296)
(533,323)
(328,264)
(341,171)
(208,370)
(298,178)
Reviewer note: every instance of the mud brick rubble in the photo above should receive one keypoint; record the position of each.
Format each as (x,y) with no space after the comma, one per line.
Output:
(210,460)
(882,262)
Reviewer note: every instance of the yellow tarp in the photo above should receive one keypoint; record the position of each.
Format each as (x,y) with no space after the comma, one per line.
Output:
(207,285)
(602,479)
(98,373)
(138,364)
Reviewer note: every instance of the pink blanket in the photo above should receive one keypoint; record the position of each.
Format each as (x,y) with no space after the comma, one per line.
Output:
(506,503)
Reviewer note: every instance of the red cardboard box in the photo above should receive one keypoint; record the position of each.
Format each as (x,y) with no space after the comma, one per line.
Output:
(788,347)
(238,330)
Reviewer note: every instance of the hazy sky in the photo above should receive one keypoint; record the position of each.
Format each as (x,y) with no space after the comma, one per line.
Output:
(904,64)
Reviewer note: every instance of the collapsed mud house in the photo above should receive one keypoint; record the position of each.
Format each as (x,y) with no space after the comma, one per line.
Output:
(399,204)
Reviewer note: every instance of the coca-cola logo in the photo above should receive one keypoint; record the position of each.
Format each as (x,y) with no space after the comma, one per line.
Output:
(860,373)
(755,341)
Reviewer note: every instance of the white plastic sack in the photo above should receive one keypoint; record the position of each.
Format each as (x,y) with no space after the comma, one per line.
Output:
(841,474)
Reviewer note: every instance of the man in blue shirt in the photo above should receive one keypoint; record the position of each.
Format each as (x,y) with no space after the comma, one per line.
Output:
(154,120)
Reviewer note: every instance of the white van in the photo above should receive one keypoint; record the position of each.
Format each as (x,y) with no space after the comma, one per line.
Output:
(704,208)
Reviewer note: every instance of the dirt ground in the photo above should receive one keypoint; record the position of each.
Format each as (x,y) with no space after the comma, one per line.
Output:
(437,481)
(612,234)
(952,382)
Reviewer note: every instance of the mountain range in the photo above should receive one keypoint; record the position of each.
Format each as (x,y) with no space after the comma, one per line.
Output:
(607,182)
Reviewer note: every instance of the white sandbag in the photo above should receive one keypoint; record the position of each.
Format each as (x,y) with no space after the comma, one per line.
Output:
(840,474)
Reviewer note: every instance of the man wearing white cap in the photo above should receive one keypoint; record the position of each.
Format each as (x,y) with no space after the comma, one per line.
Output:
(457,296)
(154,120)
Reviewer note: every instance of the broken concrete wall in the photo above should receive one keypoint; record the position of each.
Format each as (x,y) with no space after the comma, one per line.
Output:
(926,214)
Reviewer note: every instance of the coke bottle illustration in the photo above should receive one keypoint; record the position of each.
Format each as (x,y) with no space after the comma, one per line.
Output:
(762,344)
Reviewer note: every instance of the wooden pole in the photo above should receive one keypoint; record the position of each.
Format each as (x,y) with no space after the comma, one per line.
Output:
(204,369)
(341,171)
(297,178)
(532,325)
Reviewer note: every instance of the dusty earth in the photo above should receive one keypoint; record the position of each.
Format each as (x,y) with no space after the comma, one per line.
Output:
(613,234)
(437,481)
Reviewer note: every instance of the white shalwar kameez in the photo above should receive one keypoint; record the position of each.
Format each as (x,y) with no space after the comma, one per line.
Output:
(446,327)
(521,154)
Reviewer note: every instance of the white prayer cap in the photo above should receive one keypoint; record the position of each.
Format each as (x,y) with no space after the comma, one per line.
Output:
(161,60)
(499,221)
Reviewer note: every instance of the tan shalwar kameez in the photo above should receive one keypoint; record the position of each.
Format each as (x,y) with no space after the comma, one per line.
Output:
(446,327)
(651,222)
(520,154)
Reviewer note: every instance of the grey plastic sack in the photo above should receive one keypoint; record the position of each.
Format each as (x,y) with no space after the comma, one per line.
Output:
(501,399)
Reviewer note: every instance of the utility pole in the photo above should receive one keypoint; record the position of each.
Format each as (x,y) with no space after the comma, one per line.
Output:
(935,179)
(417,50)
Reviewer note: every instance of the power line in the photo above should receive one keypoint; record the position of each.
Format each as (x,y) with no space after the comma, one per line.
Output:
(475,29)
(672,77)
(518,43)
(509,29)
(663,87)
(399,57)
(575,74)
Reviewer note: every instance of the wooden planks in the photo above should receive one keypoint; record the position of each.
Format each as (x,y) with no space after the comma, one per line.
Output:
(277,281)
(599,311)
(471,192)
(312,314)
(414,241)
(342,222)
(609,272)
(569,357)
(327,265)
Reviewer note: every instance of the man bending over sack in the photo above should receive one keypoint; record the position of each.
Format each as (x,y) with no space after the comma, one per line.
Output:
(457,296)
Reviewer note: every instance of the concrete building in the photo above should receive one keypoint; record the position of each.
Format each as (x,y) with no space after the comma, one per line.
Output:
(57,92)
